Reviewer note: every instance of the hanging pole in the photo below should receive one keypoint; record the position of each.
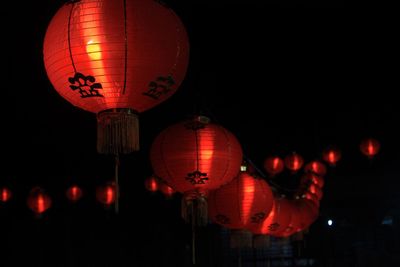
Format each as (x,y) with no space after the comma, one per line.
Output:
(116,184)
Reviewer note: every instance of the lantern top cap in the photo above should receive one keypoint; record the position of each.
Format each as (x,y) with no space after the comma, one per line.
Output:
(202,119)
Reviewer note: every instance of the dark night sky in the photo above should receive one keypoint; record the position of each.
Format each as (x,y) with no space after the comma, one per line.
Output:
(280,79)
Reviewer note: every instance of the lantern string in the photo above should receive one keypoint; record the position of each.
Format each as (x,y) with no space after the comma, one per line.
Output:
(69,34)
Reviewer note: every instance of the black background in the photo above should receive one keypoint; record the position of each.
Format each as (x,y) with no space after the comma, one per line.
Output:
(281,79)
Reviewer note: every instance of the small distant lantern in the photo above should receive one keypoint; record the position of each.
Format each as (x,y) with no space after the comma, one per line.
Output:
(315,167)
(5,194)
(74,193)
(370,147)
(39,201)
(167,191)
(106,194)
(294,162)
(274,165)
(331,155)
(152,184)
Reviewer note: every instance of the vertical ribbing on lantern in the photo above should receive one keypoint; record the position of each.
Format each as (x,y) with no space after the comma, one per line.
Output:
(117,131)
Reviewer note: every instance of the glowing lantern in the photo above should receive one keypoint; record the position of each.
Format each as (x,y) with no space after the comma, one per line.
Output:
(243,202)
(312,197)
(106,194)
(315,167)
(116,59)
(195,156)
(38,201)
(152,184)
(274,165)
(74,193)
(294,162)
(5,194)
(316,190)
(331,155)
(167,191)
(370,147)
(277,221)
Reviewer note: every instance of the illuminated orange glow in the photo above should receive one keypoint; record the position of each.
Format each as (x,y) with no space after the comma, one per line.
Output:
(93,50)
(248,189)
(5,194)
(276,163)
(109,195)
(205,150)
(370,147)
(332,156)
(40,204)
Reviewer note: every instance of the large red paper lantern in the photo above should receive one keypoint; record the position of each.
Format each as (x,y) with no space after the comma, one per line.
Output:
(294,162)
(195,156)
(244,202)
(274,165)
(38,200)
(116,59)
(331,155)
(370,147)
(74,193)
(5,194)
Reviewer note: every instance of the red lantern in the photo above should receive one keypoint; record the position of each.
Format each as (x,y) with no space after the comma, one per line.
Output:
(315,167)
(38,201)
(312,197)
(308,213)
(152,184)
(116,59)
(316,190)
(277,221)
(106,194)
(74,193)
(274,165)
(5,194)
(331,155)
(370,147)
(167,191)
(244,202)
(196,155)
(193,157)
(294,162)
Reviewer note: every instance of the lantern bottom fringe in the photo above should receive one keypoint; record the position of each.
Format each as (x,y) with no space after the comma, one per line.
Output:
(261,241)
(241,239)
(117,131)
(195,210)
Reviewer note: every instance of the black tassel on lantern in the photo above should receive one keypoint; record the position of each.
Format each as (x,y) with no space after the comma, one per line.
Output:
(117,131)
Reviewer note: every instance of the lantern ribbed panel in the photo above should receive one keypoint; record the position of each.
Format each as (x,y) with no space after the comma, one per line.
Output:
(244,202)
(308,212)
(277,220)
(196,159)
(138,53)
